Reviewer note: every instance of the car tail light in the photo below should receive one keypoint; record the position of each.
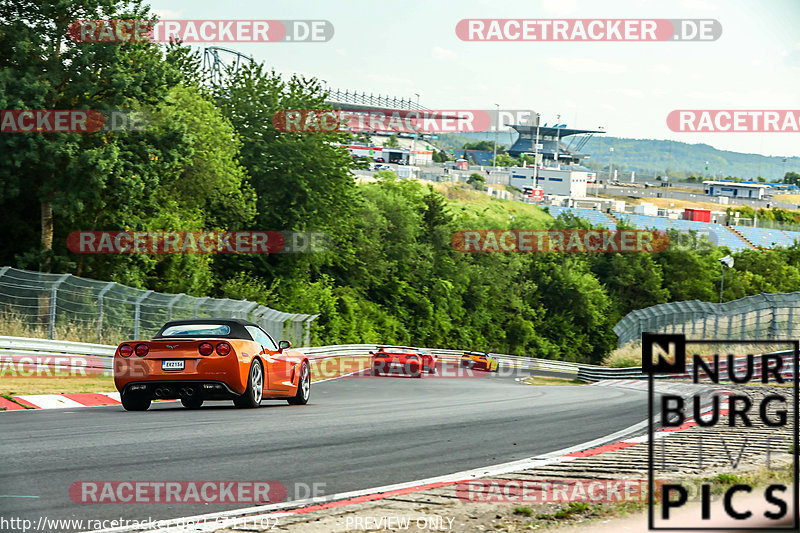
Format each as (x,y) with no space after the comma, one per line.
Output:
(223,348)
(142,350)
(125,350)
(206,348)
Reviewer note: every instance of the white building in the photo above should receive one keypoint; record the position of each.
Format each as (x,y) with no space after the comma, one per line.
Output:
(552,181)
(735,190)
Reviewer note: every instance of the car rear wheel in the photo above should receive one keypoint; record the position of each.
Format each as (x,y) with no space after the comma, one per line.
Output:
(134,402)
(192,402)
(303,387)
(255,388)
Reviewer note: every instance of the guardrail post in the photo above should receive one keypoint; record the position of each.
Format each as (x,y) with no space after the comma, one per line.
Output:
(171,303)
(307,330)
(136,313)
(757,332)
(730,327)
(200,301)
(774,329)
(53,295)
(100,295)
(789,325)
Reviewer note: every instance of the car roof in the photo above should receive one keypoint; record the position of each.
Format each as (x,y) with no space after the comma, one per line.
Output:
(476,353)
(237,326)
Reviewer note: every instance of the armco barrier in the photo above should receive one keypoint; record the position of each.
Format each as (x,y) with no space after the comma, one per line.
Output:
(591,374)
(22,347)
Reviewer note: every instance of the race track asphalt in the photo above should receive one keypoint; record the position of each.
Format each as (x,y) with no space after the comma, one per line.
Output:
(355,433)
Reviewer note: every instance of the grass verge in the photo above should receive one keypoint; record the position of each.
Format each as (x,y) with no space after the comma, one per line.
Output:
(17,385)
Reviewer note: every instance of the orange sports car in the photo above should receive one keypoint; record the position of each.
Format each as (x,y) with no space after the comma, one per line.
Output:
(210,359)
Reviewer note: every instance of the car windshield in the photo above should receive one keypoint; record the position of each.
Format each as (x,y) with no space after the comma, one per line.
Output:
(189,330)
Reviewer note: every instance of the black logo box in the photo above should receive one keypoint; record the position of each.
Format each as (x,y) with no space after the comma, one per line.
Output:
(678,366)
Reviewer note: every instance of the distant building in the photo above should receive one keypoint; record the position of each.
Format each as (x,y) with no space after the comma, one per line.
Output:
(561,182)
(736,189)
(553,150)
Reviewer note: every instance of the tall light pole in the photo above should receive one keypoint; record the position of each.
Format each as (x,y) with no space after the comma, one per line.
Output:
(414,142)
(558,139)
(611,164)
(726,261)
(536,154)
(496,130)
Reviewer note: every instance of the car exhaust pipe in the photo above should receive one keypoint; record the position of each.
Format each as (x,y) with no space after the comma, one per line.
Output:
(162,392)
(186,392)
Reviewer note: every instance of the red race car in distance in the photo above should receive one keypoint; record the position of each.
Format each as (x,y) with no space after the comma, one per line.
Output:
(210,359)
(402,360)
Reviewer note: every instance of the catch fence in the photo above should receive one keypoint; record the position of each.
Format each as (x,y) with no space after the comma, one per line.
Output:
(115,311)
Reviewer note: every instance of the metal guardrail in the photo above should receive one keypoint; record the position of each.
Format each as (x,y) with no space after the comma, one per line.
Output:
(100,356)
(592,374)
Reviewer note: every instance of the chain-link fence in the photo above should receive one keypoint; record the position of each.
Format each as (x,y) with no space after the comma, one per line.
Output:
(116,311)
(763,316)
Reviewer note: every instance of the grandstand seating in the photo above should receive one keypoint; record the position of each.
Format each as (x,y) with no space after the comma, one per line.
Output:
(595,217)
(480,157)
(716,233)
(768,238)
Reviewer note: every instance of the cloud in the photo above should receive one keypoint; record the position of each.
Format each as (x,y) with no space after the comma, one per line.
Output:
(631,93)
(560,7)
(660,69)
(585,65)
(442,53)
(792,57)
(167,14)
(699,5)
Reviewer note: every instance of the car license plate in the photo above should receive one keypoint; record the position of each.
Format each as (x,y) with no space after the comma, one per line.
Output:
(172,365)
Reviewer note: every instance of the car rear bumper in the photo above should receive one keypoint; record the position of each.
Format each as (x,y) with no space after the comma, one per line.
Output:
(175,389)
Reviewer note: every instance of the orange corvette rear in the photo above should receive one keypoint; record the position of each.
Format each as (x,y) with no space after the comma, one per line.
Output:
(210,359)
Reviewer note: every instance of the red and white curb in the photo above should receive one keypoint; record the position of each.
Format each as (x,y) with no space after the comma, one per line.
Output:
(29,402)
(59,401)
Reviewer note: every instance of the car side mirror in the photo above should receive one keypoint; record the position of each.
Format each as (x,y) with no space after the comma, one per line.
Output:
(284,345)
(372,353)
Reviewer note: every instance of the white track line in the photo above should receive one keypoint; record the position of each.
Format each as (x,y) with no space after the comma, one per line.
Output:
(215,521)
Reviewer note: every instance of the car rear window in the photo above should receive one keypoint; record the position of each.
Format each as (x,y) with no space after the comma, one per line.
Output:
(204,330)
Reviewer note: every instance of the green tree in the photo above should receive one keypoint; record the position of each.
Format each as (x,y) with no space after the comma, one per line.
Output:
(792,178)
(484,146)
(391,142)
(477,181)
(41,68)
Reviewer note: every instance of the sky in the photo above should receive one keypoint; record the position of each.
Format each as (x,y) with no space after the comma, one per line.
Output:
(629,88)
